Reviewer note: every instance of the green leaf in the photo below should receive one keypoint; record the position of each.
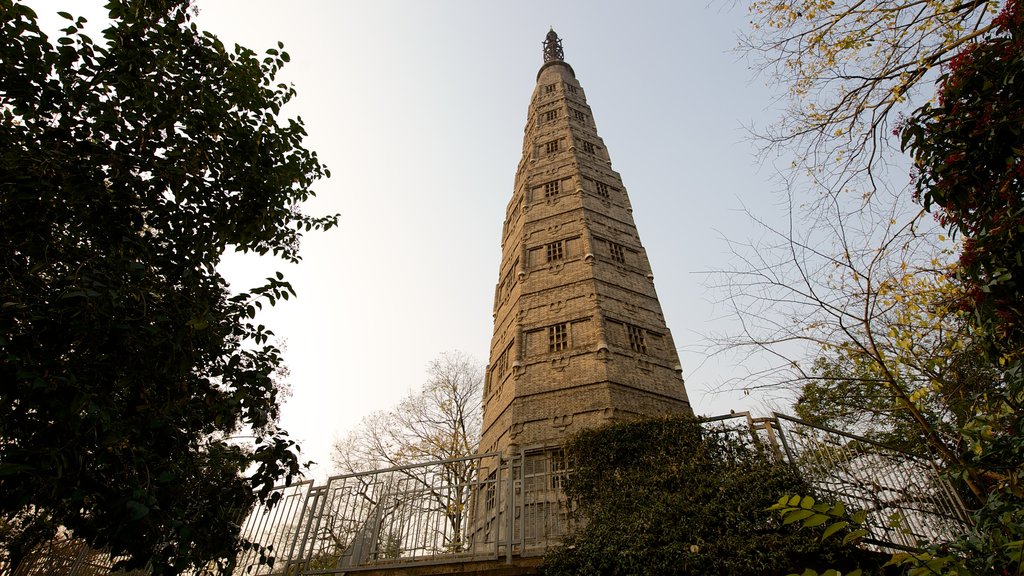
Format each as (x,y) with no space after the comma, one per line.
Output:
(833,528)
(796,516)
(839,510)
(136,510)
(898,558)
(815,520)
(127,308)
(859,533)
(807,502)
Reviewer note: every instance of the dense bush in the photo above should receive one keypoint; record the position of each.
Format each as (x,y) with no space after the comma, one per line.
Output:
(670,497)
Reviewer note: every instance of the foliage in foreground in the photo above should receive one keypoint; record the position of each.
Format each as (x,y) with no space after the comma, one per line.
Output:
(128,165)
(668,497)
(834,519)
(850,68)
(968,149)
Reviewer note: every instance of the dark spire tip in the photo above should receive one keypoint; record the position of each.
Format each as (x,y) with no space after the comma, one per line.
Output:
(553,47)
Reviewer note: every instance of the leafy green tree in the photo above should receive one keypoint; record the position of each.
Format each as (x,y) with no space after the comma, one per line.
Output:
(128,166)
(849,392)
(968,150)
(670,497)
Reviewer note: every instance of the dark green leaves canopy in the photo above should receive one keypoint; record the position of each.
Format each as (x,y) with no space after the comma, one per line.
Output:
(128,165)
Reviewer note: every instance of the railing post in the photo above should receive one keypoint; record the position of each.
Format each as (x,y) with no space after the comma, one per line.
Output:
(307,523)
(768,425)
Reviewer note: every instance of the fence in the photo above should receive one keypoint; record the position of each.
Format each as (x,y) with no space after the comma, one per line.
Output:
(473,508)
(66,556)
(907,500)
(485,507)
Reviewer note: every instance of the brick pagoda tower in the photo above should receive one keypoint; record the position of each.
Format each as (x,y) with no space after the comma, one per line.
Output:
(579,336)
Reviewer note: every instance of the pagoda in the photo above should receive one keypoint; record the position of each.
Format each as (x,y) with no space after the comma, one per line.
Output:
(579,335)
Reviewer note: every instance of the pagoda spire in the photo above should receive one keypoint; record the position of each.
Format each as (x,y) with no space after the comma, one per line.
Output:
(553,47)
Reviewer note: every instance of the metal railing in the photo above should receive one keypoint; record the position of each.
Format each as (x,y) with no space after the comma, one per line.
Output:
(473,508)
(908,501)
(275,532)
(67,556)
(485,507)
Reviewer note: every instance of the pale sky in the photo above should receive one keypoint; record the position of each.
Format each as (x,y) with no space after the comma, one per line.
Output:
(418,110)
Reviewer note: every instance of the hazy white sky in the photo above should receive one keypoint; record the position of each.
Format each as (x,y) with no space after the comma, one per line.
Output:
(418,109)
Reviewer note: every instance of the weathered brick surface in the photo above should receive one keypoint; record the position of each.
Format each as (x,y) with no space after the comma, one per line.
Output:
(620,361)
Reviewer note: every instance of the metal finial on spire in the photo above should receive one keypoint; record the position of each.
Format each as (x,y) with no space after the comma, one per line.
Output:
(553,47)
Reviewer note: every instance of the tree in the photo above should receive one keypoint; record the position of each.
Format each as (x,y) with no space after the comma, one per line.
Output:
(857,302)
(909,376)
(127,167)
(850,391)
(853,69)
(672,497)
(968,150)
(440,422)
(850,68)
